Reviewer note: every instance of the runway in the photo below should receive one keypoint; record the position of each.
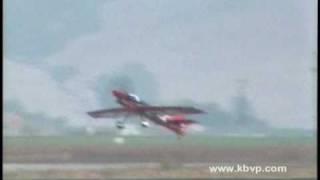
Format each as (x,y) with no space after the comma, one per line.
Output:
(75,166)
(99,157)
(141,170)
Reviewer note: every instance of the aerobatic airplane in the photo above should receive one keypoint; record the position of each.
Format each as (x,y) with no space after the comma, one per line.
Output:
(171,117)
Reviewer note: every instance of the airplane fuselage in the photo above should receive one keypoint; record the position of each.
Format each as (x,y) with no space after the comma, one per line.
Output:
(154,117)
(171,117)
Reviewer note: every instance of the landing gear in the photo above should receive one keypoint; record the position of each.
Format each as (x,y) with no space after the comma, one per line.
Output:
(145,124)
(120,124)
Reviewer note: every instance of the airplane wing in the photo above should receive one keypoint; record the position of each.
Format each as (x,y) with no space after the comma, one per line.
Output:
(169,110)
(116,112)
(110,113)
(185,121)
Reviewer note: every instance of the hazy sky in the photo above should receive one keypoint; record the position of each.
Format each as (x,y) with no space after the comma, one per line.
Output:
(197,49)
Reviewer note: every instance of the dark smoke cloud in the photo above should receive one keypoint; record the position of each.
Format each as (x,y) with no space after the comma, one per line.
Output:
(133,78)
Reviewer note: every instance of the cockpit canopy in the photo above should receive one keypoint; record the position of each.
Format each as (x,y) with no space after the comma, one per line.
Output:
(134,97)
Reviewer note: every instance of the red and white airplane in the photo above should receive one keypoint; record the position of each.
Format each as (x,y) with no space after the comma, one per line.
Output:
(171,117)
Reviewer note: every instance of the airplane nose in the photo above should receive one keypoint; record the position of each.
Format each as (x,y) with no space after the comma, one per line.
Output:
(117,93)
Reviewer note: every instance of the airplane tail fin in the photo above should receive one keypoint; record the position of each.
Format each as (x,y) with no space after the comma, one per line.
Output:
(183,125)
